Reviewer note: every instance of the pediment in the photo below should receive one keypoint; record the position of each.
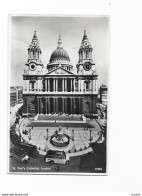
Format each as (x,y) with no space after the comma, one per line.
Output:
(60,71)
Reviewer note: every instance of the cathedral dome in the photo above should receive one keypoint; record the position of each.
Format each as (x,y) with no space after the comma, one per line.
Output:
(59,54)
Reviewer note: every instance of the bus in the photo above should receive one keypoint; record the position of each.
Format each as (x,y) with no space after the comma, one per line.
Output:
(56,157)
(31,149)
(19,155)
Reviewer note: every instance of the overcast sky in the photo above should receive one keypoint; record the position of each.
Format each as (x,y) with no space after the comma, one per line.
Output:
(48,29)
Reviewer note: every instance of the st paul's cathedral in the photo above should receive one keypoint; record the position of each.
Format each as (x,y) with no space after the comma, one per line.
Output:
(57,88)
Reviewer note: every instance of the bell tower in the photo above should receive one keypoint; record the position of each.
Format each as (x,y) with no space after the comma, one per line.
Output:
(85,64)
(34,64)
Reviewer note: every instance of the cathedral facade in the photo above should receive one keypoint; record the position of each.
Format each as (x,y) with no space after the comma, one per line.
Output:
(56,88)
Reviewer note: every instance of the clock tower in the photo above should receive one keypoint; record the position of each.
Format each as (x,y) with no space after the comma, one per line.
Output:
(86,70)
(34,64)
(85,65)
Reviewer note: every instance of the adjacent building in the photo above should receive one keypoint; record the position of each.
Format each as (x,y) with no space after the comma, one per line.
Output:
(16,95)
(103,94)
(56,87)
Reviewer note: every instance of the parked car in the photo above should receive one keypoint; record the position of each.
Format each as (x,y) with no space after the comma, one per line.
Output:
(31,149)
(56,157)
(19,155)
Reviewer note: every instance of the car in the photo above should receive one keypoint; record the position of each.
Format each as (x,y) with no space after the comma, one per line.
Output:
(56,157)
(19,155)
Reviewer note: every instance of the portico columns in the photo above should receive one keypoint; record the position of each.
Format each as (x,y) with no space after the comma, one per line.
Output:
(63,104)
(45,85)
(54,104)
(74,85)
(53,84)
(48,103)
(95,85)
(48,85)
(38,105)
(71,105)
(80,105)
(56,84)
(45,105)
(63,84)
(71,84)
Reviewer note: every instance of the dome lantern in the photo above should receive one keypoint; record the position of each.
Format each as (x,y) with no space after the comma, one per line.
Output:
(59,42)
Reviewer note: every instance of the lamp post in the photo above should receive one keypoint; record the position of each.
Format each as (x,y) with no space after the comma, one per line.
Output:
(73,134)
(46,134)
(27,108)
(91,138)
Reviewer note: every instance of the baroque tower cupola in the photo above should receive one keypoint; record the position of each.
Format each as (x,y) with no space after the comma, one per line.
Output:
(34,64)
(85,64)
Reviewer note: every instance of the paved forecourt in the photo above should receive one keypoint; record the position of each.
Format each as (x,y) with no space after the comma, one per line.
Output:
(79,141)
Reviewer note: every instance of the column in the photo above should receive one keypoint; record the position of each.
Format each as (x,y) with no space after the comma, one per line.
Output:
(71,105)
(71,84)
(37,85)
(82,106)
(45,105)
(38,105)
(91,90)
(66,84)
(79,105)
(54,105)
(95,85)
(29,86)
(48,103)
(53,84)
(63,105)
(62,84)
(74,85)
(83,88)
(45,85)
(80,86)
(48,85)
(57,85)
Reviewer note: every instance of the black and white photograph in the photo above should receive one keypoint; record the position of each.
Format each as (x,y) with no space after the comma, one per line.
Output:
(58,94)
(70,104)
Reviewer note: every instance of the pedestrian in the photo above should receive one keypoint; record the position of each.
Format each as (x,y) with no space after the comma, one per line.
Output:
(57,168)
(29,134)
